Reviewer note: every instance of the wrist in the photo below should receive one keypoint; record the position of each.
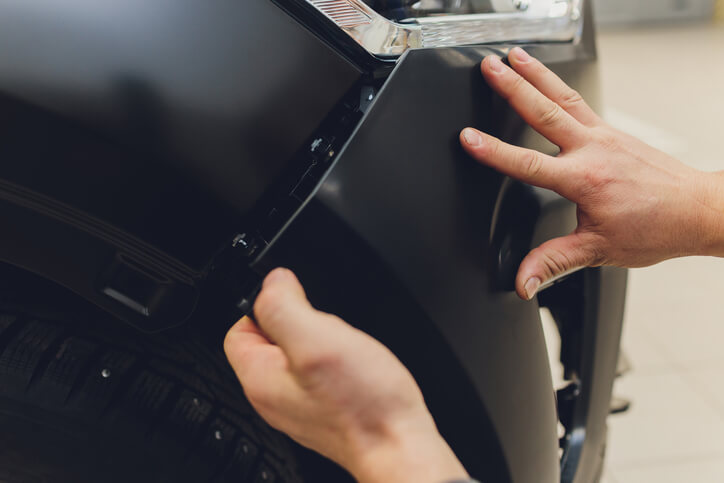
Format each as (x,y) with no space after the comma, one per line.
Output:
(709,192)
(410,453)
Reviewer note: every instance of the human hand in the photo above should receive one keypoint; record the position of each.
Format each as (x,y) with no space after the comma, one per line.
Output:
(637,206)
(336,390)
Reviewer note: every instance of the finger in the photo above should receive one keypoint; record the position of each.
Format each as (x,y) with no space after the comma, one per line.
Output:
(551,86)
(544,115)
(552,260)
(286,276)
(247,331)
(249,352)
(526,165)
(263,371)
(285,315)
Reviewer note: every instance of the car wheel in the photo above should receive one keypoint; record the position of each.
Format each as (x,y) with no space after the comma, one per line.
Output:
(85,398)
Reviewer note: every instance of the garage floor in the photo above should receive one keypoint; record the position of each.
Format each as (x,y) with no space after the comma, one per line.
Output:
(666,85)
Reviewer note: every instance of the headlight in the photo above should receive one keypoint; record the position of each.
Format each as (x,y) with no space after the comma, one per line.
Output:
(386,28)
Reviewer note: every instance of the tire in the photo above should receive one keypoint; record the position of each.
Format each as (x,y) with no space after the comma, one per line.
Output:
(89,400)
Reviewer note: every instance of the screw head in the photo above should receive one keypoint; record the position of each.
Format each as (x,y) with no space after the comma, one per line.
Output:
(106,373)
(240,240)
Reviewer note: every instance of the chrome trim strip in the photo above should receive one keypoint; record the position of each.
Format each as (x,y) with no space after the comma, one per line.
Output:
(378,35)
(342,13)
(542,20)
(500,29)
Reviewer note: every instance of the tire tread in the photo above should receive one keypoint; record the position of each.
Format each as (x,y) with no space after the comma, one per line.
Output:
(176,393)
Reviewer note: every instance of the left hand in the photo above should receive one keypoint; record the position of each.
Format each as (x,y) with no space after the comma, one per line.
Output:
(336,390)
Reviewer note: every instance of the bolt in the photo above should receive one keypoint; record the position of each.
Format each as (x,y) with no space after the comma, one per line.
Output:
(244,305)
(240,240)
(106,373)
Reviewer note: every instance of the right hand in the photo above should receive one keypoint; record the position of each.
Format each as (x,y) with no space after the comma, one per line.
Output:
(637,206)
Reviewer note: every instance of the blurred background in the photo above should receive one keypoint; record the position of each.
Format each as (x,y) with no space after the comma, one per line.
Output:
(622,12)
(662,68)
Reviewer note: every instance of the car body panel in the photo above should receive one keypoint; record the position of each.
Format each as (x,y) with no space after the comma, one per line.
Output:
(146,147)
(138,137)
(404,198)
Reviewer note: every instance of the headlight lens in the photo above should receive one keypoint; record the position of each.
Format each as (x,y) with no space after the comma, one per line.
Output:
(401,10)
(386,28)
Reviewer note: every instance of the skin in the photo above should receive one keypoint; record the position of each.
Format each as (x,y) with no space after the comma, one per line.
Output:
(637,206)
(338,391)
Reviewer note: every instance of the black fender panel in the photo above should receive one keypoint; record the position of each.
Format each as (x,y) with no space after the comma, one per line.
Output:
(400,239)
(136,137)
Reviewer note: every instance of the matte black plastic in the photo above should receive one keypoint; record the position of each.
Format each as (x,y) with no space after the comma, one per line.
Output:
(136,137)
(145,132)
(397,239)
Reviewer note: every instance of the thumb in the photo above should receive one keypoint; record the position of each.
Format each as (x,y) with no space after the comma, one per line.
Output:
(553,260)
(281,308)
(288,319)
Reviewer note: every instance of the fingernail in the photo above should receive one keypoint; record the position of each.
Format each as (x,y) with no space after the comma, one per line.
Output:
(495,64)
(238,326)
(531,287)
(472,137)
(276,275)
(521,55)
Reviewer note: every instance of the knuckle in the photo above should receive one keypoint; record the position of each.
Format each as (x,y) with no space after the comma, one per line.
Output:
(258,396)
(314,364)
(591,177)
(554,264)
(593,185)
(532,164)
(597,256)
(571,97)
(550,114)
(608,139)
